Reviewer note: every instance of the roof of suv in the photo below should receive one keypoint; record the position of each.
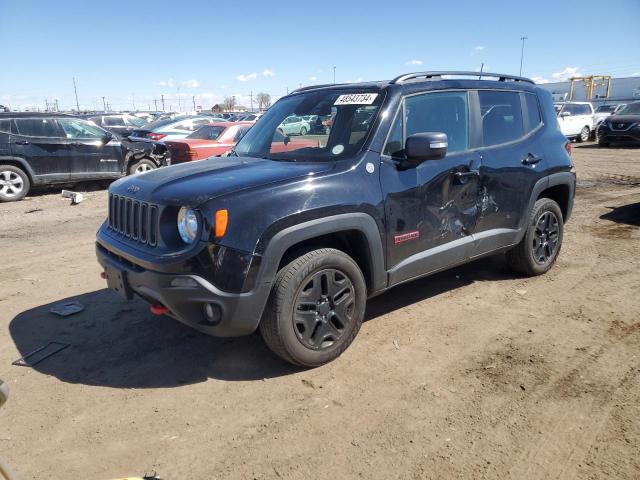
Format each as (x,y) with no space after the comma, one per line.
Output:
(35,114)
(427,77)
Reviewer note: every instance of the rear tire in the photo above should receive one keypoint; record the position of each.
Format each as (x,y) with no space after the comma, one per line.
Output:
(141,166)
(309,331)
(303,131)
(540,247)
(585,133)
(14,183)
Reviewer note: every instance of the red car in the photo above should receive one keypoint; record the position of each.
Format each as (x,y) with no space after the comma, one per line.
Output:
(219,137)
(208,141)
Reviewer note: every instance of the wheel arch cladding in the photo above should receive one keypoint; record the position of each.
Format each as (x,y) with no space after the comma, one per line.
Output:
(356,234)
(560,194)
(19,163)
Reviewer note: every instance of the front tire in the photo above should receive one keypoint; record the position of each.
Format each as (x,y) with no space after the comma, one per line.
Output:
(316,307)
(142,166)
(585,133)
(14,183)
(540,247)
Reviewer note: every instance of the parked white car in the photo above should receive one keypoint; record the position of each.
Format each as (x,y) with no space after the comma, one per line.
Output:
(604,111)
(294,126)
(575,119)
(172,129)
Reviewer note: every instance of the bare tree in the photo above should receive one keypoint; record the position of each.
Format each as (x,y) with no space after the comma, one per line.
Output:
(264,100)
(229,103)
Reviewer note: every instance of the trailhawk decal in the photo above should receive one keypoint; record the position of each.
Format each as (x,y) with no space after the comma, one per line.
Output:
(356,99)
(406,237)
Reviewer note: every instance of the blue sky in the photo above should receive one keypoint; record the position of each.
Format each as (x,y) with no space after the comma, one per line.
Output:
(137,50)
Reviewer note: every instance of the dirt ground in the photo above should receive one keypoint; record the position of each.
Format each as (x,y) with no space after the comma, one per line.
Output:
(472,373)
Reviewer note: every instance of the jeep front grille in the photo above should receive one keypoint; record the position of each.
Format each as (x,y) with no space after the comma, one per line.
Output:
(134,219)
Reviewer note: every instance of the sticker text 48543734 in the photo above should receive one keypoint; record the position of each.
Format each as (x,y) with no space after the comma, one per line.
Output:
(356,99)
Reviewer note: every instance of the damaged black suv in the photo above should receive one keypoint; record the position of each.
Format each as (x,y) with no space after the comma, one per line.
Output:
(292,235)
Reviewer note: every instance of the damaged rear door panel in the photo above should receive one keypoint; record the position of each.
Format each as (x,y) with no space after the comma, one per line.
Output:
(513,160)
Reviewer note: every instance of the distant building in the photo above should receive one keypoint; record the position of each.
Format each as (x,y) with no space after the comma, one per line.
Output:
(220,108)
(624,89)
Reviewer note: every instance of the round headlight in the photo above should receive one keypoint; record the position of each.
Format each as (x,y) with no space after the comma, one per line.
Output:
(187,224)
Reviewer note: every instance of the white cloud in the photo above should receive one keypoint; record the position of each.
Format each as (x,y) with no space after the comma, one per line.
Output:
(414,62)
(246,78)
(635,74)
(191,84)
(566,74)
(539,80)
(268,72)
(357,80)
(166,83)
(477,49)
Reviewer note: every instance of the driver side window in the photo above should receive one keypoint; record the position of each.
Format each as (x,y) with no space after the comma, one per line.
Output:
(76,129)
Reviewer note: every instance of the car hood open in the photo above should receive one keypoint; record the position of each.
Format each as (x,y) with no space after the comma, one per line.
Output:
(193,183)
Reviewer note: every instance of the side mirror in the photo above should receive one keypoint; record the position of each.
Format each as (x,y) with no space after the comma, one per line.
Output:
(565,114)
(420,147)
(106,138)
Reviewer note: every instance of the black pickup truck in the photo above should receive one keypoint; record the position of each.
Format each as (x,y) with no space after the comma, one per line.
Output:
(416,175)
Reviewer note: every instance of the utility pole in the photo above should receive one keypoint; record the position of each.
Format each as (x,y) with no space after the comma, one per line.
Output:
(46,104)
(162,100)
(522,52)
(334,74)
(57,105)
(481,69)
(251,96)
(193,99)
(155,104)
(133,101)
(75,90)
(104,105)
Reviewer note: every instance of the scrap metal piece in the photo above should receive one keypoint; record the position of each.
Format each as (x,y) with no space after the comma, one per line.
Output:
(75,197)
(65,309)
(40,354)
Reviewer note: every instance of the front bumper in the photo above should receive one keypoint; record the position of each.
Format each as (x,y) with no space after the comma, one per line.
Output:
(187,295)
(631,135)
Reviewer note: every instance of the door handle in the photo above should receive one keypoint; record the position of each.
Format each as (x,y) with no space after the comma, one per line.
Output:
(466,175)
(531,159)
(21,142)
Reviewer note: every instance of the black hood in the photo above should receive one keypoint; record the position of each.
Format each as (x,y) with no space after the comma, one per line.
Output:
(193,183)
(623,118)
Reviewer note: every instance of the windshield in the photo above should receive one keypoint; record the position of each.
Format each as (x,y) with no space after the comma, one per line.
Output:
(163,122)
(631,109)
(135,121)
(208,132)
(319,125)
(605,108)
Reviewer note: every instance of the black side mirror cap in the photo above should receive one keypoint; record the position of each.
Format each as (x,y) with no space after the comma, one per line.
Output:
(420,147)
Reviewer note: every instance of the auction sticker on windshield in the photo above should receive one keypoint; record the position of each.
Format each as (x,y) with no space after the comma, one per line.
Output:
(356,99)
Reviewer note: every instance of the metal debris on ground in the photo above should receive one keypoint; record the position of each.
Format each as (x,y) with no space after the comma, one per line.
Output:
(39,354)
(75,197)
(396,344)
(67,308)
(34,210)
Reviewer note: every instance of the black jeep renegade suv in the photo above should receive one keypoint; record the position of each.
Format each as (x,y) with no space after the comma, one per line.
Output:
(417,174)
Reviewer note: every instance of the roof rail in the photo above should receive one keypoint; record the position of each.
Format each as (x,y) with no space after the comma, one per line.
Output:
(313,87)
(438,76)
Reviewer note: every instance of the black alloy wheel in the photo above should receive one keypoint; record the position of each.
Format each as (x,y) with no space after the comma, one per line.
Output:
(324,306)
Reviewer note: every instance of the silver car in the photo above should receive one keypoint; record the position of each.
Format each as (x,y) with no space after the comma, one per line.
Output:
(294,125)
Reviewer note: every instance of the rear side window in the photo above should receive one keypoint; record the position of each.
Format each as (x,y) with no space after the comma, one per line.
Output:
(445,112)
(113,122)
(501,117)
(37,127)
(534,119)
(5,126)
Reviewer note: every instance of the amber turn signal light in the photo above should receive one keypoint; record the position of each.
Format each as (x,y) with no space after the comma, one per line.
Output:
(222,219)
